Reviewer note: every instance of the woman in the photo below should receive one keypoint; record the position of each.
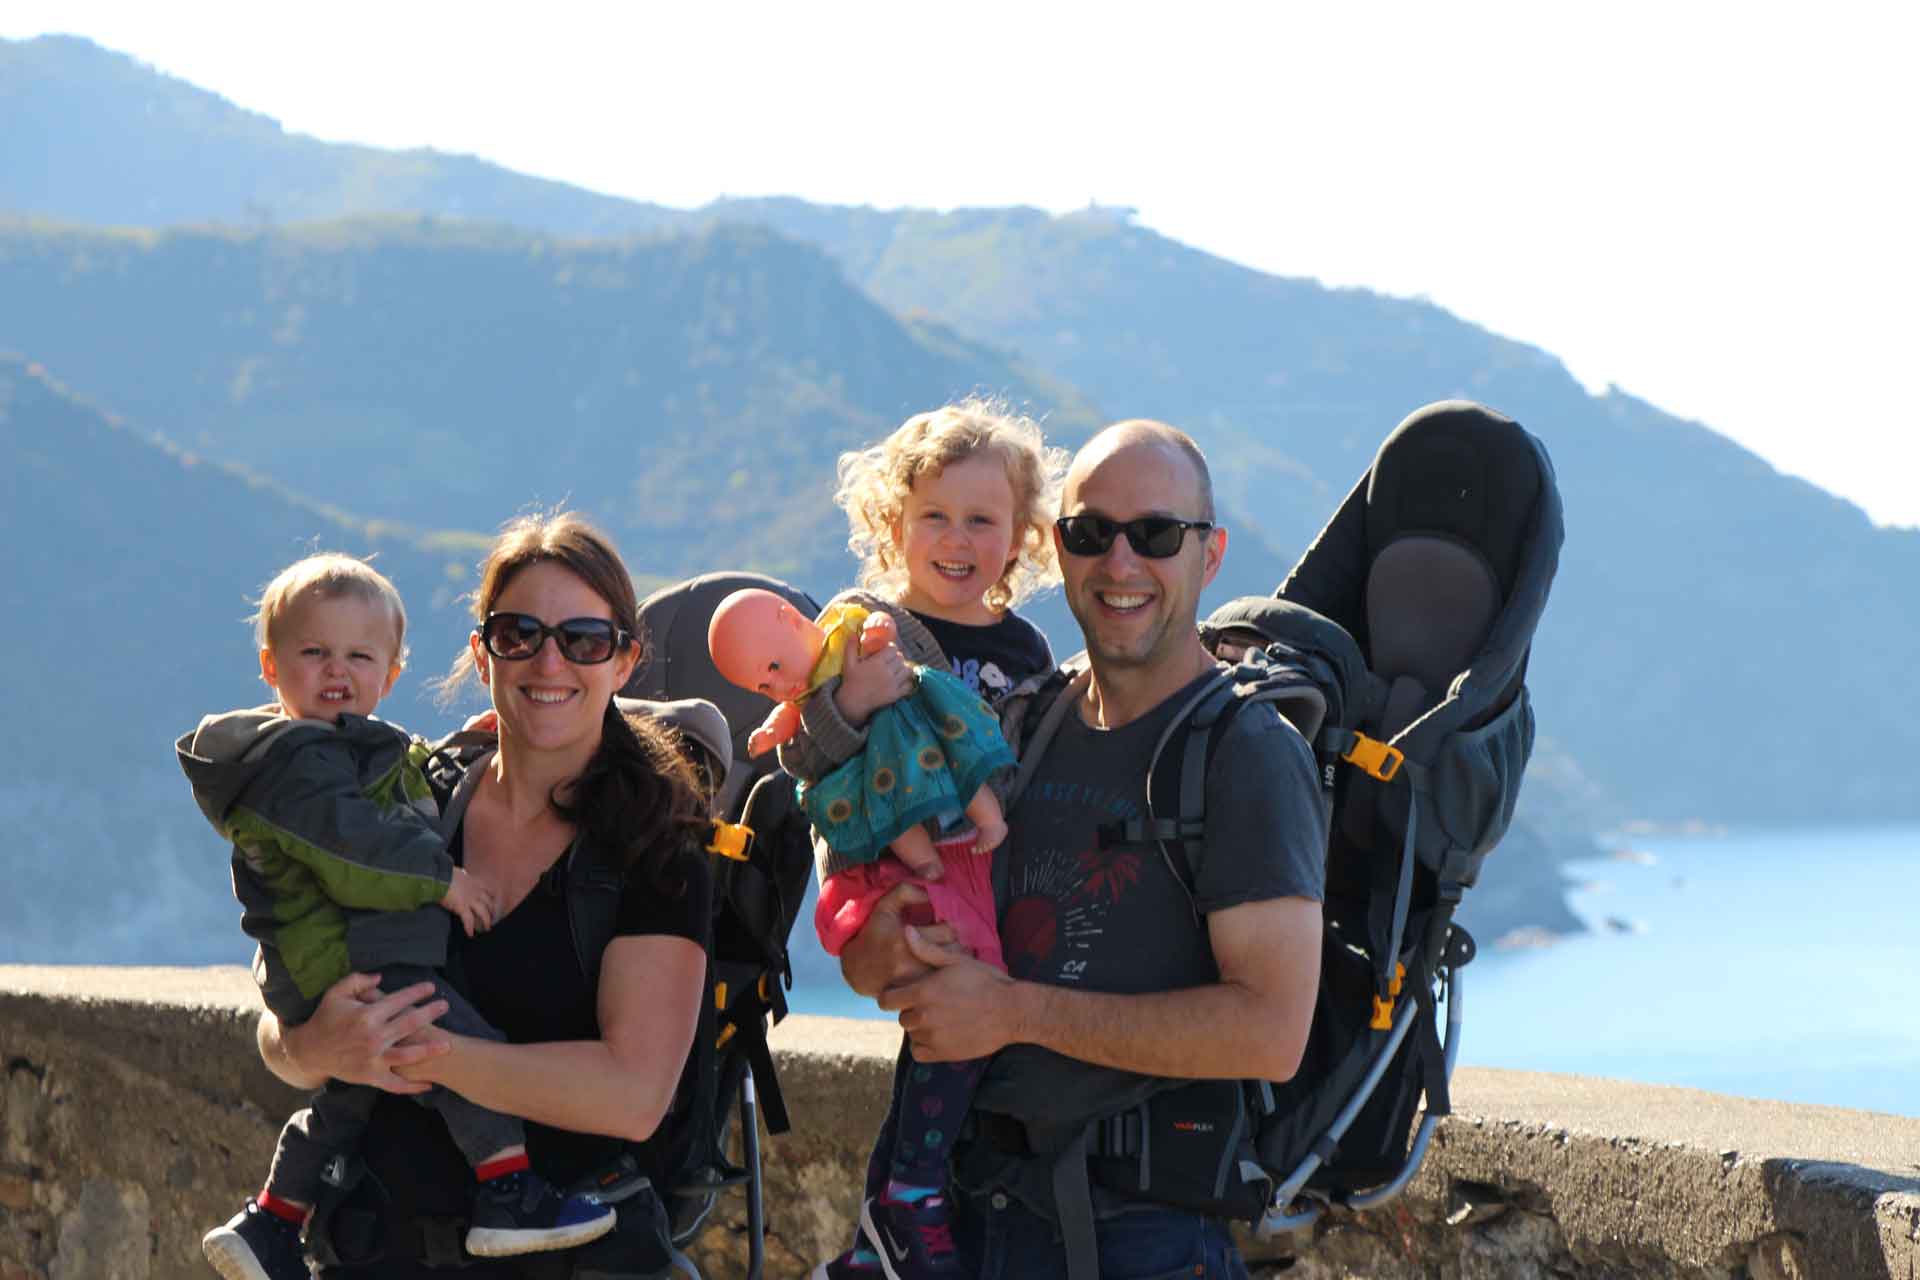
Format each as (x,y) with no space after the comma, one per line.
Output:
(592,1062)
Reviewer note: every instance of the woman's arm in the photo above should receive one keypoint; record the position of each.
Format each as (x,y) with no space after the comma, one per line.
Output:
(357,1035)
(621,1084)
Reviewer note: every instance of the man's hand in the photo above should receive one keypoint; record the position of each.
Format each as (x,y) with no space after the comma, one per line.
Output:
(359,1035)
(961,1009)
(871,680)
(878,957)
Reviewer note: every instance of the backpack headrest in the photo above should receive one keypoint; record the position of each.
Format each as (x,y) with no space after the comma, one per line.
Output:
(676,665)
(1295,635)
(699,723)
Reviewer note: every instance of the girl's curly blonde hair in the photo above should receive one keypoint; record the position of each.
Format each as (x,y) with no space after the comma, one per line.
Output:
(875,481)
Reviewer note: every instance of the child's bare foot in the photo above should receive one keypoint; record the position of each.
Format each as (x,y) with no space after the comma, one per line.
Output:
(989,834)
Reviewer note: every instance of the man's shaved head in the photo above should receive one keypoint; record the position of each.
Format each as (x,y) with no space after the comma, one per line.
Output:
(1135,432)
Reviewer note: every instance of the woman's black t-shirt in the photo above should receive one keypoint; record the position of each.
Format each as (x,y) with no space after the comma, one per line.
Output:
(523,977)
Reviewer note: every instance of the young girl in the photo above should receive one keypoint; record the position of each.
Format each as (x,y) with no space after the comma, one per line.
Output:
(951,517)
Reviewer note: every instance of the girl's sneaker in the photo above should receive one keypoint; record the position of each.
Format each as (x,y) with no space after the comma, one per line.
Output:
(913,1238)
(256,1245)
(524,1213)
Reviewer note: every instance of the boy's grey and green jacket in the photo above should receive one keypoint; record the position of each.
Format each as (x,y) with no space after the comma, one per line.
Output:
(336,860)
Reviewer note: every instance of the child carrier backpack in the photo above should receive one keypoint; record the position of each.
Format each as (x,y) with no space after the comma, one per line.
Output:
(1436,569)
(1398,646)
(765,865)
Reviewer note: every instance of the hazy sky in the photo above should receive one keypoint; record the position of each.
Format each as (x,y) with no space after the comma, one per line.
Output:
(1711,206)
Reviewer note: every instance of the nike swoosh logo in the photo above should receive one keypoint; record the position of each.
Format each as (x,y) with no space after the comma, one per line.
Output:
(898,1251)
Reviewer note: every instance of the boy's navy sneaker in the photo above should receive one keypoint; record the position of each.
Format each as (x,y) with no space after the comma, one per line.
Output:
(914,1239)
(524,1213)
(256,1245)
(857,1263)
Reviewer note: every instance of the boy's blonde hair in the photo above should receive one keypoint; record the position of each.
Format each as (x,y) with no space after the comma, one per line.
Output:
(874,483)
(331,576)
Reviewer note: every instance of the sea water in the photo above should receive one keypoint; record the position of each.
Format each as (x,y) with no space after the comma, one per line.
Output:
(1779,964)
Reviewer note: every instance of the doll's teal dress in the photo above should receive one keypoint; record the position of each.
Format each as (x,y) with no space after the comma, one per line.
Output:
(925,755)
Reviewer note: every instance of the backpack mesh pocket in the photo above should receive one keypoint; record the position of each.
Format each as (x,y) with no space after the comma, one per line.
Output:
(1474,781)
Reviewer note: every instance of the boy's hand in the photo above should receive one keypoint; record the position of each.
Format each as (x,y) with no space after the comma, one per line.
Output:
(470,900)
(487,721)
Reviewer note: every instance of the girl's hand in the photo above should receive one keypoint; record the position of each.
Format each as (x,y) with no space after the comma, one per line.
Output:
(359,1035)
(869,682)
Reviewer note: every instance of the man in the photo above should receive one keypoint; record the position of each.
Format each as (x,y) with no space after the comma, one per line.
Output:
(1111,964)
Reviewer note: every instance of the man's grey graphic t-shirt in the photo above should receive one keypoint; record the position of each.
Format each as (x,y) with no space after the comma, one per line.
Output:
(1117,919)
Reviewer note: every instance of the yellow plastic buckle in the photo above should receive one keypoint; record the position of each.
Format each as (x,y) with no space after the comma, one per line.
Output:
(1374,758)
(730,840)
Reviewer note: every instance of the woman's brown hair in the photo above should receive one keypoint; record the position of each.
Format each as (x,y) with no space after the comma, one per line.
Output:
(638,790)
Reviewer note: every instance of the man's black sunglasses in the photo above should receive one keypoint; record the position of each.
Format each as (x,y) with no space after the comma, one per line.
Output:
(514,637)
(1155,537)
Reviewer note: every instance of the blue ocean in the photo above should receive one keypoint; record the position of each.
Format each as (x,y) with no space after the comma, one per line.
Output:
(1768,964)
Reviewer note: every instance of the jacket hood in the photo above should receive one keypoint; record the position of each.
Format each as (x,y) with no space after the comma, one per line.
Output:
(223,754)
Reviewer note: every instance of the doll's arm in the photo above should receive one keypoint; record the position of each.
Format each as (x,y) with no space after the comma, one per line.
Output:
(779,726)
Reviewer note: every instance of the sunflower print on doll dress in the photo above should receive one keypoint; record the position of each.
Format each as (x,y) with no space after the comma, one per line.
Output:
(925,757)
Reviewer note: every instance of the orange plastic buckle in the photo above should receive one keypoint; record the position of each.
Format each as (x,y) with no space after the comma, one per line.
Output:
(730,840)
(1374,758)
(1382,1019)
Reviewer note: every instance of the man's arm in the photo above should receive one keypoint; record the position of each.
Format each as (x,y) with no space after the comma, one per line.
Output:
(1252,1023)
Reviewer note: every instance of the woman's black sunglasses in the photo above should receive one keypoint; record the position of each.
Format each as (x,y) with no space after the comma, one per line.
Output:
(1155,537)
(514,637)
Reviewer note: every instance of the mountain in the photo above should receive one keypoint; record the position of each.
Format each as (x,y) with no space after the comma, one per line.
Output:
(691,392)
(176,153)
(1696,582)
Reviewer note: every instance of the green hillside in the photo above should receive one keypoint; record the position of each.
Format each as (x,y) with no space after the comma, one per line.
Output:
(139,562)
(691,392)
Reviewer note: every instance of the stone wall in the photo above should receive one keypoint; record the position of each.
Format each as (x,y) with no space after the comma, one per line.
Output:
(134,1114)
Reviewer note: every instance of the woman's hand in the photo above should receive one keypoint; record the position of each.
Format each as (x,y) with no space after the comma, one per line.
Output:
(359,1035)
(879,957)
(869,682)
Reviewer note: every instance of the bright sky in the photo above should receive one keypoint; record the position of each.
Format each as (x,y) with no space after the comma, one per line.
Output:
(1711,206)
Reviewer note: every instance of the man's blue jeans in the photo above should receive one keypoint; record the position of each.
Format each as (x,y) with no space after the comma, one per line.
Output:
(1001,1239)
